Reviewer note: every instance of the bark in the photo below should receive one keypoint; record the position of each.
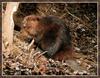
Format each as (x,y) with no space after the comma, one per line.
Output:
(7,21)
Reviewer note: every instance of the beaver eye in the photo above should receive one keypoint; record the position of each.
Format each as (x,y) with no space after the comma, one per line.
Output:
(38,19)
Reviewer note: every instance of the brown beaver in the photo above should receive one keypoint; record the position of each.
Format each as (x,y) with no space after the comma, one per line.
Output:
(50,34)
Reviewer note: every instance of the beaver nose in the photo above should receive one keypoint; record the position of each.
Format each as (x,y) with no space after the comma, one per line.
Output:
(28,39)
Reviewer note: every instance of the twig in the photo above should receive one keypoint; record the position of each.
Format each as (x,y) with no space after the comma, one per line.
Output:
(62,16)
(73,15)
(84,23)
(42,13)
(30,45)
(86,17)
(18,56)
(42,54)
(36,54)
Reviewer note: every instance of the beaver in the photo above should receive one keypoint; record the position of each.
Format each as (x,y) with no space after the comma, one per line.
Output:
(50,34)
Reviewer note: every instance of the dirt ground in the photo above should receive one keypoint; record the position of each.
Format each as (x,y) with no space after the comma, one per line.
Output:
(82,21)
